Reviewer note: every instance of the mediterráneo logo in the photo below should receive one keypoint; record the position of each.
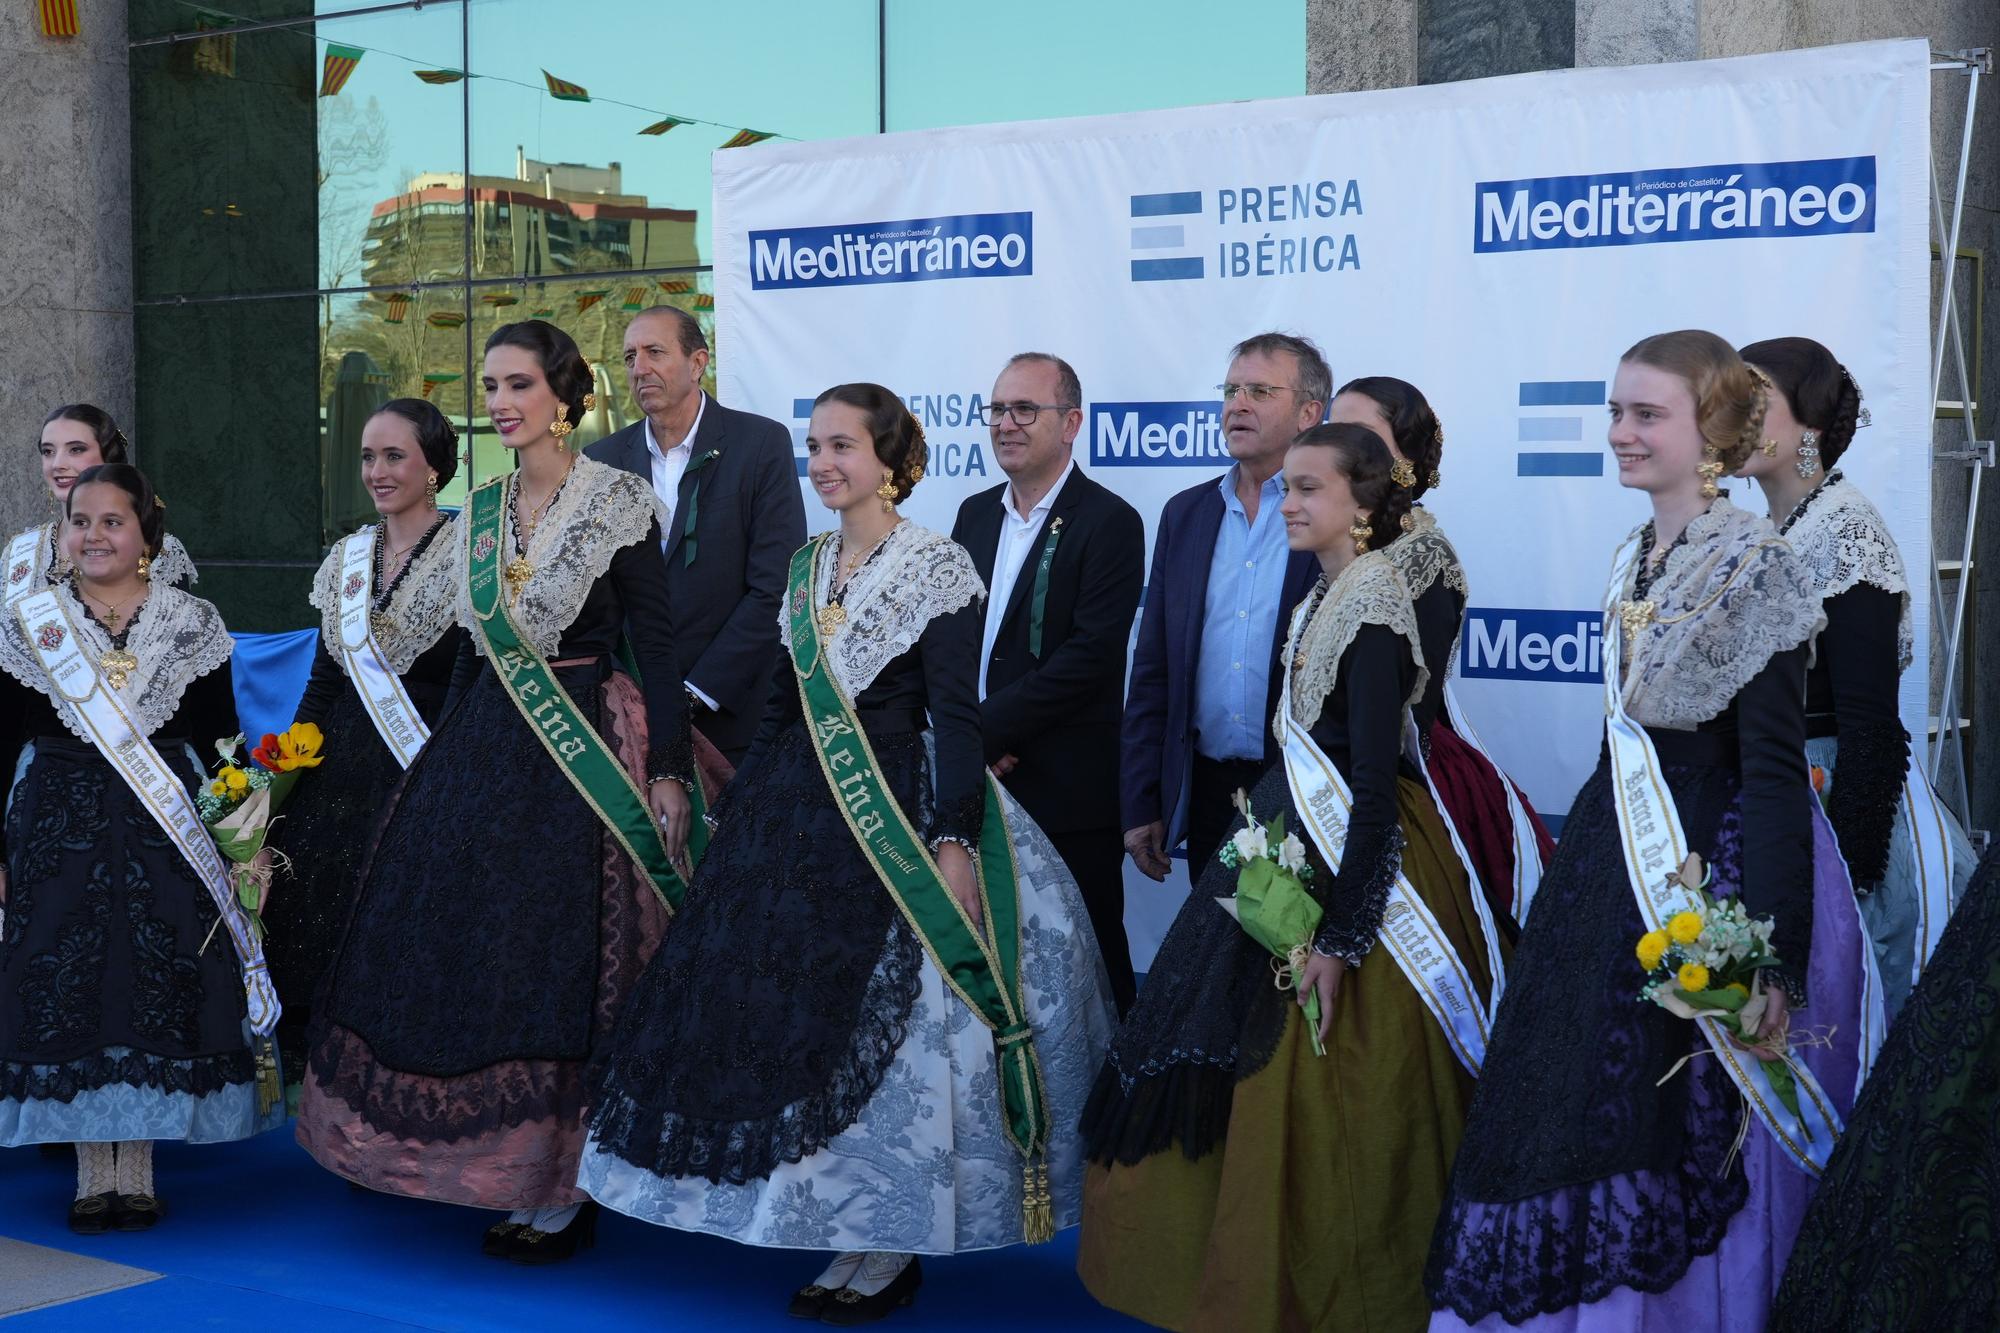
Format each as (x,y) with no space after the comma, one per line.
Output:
(1156,434)
(969,245)
(1506,644)
(1824,197)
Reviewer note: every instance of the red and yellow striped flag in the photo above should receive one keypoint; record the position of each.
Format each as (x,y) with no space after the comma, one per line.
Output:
(662,126)
(435,378)
(445,319)
(438,75)
(565,91)
(635,300)
(214,55)
(338,65)
(676,286)
(58,18)
(744,138)
(704,302)
(399,306)
(500,299)
(585,300)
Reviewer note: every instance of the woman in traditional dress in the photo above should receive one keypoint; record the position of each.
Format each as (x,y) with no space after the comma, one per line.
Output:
(522,874)
(76,437)
(1600,1183)
(388,639)
(872,1029)
(126,1015)
(1502,835)
(1905,853)
(1239,1180)
(1900,1234)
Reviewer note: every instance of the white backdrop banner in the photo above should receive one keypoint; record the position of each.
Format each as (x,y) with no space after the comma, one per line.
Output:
(1497,243)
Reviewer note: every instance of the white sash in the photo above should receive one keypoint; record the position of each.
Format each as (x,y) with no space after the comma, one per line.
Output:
(24,564)
(1409,931)
(132,756)
(1934,862)
(1655,848)
(1527,847)
(396,719)
(1489,933)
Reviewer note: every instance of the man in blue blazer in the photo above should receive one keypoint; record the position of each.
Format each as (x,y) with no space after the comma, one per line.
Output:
(1205,672)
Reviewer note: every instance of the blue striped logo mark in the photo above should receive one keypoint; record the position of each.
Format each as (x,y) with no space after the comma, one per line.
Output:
(1557,427)
(802,410)
(1150,236)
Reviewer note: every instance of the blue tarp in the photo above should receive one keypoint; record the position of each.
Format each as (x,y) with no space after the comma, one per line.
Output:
(269,673)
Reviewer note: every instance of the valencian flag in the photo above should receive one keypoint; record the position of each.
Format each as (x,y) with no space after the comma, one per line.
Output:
(585,300)
(59,20)
(635,299)
(744,138)
(340,62)
(399,306)
(437,377)
(704,302)
(662,126)
(445,319)
(565,91)
(676,286)
(214,55)
(439,75)
(500,299)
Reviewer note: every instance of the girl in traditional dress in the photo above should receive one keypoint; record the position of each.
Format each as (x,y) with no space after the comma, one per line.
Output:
(388,639)
(1905,853)
(1600,1184)
(132,994)
(872,1029)
(1502,835)
(523,871)
(1239,1180)
(76,437)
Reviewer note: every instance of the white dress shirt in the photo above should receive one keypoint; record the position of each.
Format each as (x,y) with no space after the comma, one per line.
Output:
(1017,534)
(668,469)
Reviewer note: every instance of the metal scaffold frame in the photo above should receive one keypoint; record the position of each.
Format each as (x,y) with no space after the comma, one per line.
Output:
(1947,732)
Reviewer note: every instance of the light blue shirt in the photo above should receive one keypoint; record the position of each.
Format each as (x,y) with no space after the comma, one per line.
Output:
(1246,581)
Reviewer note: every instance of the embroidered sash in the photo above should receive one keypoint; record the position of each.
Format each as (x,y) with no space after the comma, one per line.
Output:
(1655,848)
(570,740)
(25,551)
(982,967)
(381,691)
(1527,848)
(132,756)
(1934,862)
(1488,932)
(1409,931)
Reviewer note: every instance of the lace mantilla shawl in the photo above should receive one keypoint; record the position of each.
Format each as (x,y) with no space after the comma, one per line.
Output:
(1423,555)
(1728,599)
(917,576)
(1843,541)
(601,511)
(421,607)
(173,565)
(1369,591)
(177,638)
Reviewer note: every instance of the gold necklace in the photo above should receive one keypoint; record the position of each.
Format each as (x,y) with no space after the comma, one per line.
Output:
(833,615)
(115,662)
(519,570)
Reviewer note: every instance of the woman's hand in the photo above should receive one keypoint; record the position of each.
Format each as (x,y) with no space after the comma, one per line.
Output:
(670,805)
(956,867)
(259,867)
(1771,1032)
(1322,978)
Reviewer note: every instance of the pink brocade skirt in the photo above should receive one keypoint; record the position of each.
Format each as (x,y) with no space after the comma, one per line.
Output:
(1470,789)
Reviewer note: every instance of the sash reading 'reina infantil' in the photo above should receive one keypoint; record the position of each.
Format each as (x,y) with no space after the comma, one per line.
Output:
(569,739)
(983,968)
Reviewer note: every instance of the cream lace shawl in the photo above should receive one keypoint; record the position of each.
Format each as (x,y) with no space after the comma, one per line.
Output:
(917,576)
(1370,591)
(172,565)
(419,611)
(178,637)
(1843,541)
(1729,598)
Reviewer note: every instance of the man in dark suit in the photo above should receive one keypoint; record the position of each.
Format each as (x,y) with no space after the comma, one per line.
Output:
(1062,558)
(1205,670)
(734,518)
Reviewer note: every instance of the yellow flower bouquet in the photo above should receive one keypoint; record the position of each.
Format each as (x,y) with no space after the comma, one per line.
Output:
(240,803)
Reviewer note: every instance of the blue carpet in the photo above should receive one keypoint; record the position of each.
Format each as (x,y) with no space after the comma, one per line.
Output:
(257,1236)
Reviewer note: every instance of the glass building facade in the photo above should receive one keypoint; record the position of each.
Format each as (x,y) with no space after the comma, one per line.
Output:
(334,205)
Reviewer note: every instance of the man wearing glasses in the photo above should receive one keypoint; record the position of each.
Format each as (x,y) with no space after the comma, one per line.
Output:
(1223,585)
(1063,559)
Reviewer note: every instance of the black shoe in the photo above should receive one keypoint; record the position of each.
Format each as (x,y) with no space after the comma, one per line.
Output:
(136,1212)
(533,1247)
(93,1214)
(809,1302)
(848,1307)
(499,1237)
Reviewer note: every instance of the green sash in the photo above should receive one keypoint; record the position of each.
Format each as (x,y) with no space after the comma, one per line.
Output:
(981,968)
(571,741)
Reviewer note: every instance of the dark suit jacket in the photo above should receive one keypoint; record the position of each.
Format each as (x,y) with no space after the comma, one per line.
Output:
(1058,714)
(1159,704)
(749,518)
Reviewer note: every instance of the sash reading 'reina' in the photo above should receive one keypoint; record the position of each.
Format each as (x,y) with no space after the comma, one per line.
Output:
(569,739)
(983,968)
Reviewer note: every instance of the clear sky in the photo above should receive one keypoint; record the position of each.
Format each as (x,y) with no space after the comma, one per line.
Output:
(805,69)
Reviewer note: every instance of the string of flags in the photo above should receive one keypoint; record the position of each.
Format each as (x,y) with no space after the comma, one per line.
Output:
(337,68)
(440,377)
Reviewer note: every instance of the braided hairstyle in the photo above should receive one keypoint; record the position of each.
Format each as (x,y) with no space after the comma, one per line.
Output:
(563,366)
(1419,436)
(150,509)
(1361,457)
(1820,392)
(896,434)
(112,446)
(1729,395)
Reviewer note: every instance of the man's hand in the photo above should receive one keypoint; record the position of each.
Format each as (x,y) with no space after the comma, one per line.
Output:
(1147,847)
(1004,765)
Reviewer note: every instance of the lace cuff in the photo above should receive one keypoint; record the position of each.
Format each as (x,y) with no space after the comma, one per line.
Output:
(1866,790)
(1360,892)
(971,848)
(961,822)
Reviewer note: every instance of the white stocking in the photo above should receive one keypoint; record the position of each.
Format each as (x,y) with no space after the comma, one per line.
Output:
(878,1270)
(135,1167)
(96,1169)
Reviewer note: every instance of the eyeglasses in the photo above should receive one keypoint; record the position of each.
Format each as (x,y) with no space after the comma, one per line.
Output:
(1024,414)
(1256,393)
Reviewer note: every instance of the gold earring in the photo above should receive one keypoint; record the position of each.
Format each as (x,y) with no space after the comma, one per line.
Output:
(146,568)
(590,394)
(1769,448)
(1436,480)
(560,427)
(1409,522)
(1404,473)
(431,490)
(1361,531)
(887,490)
(1709,469)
